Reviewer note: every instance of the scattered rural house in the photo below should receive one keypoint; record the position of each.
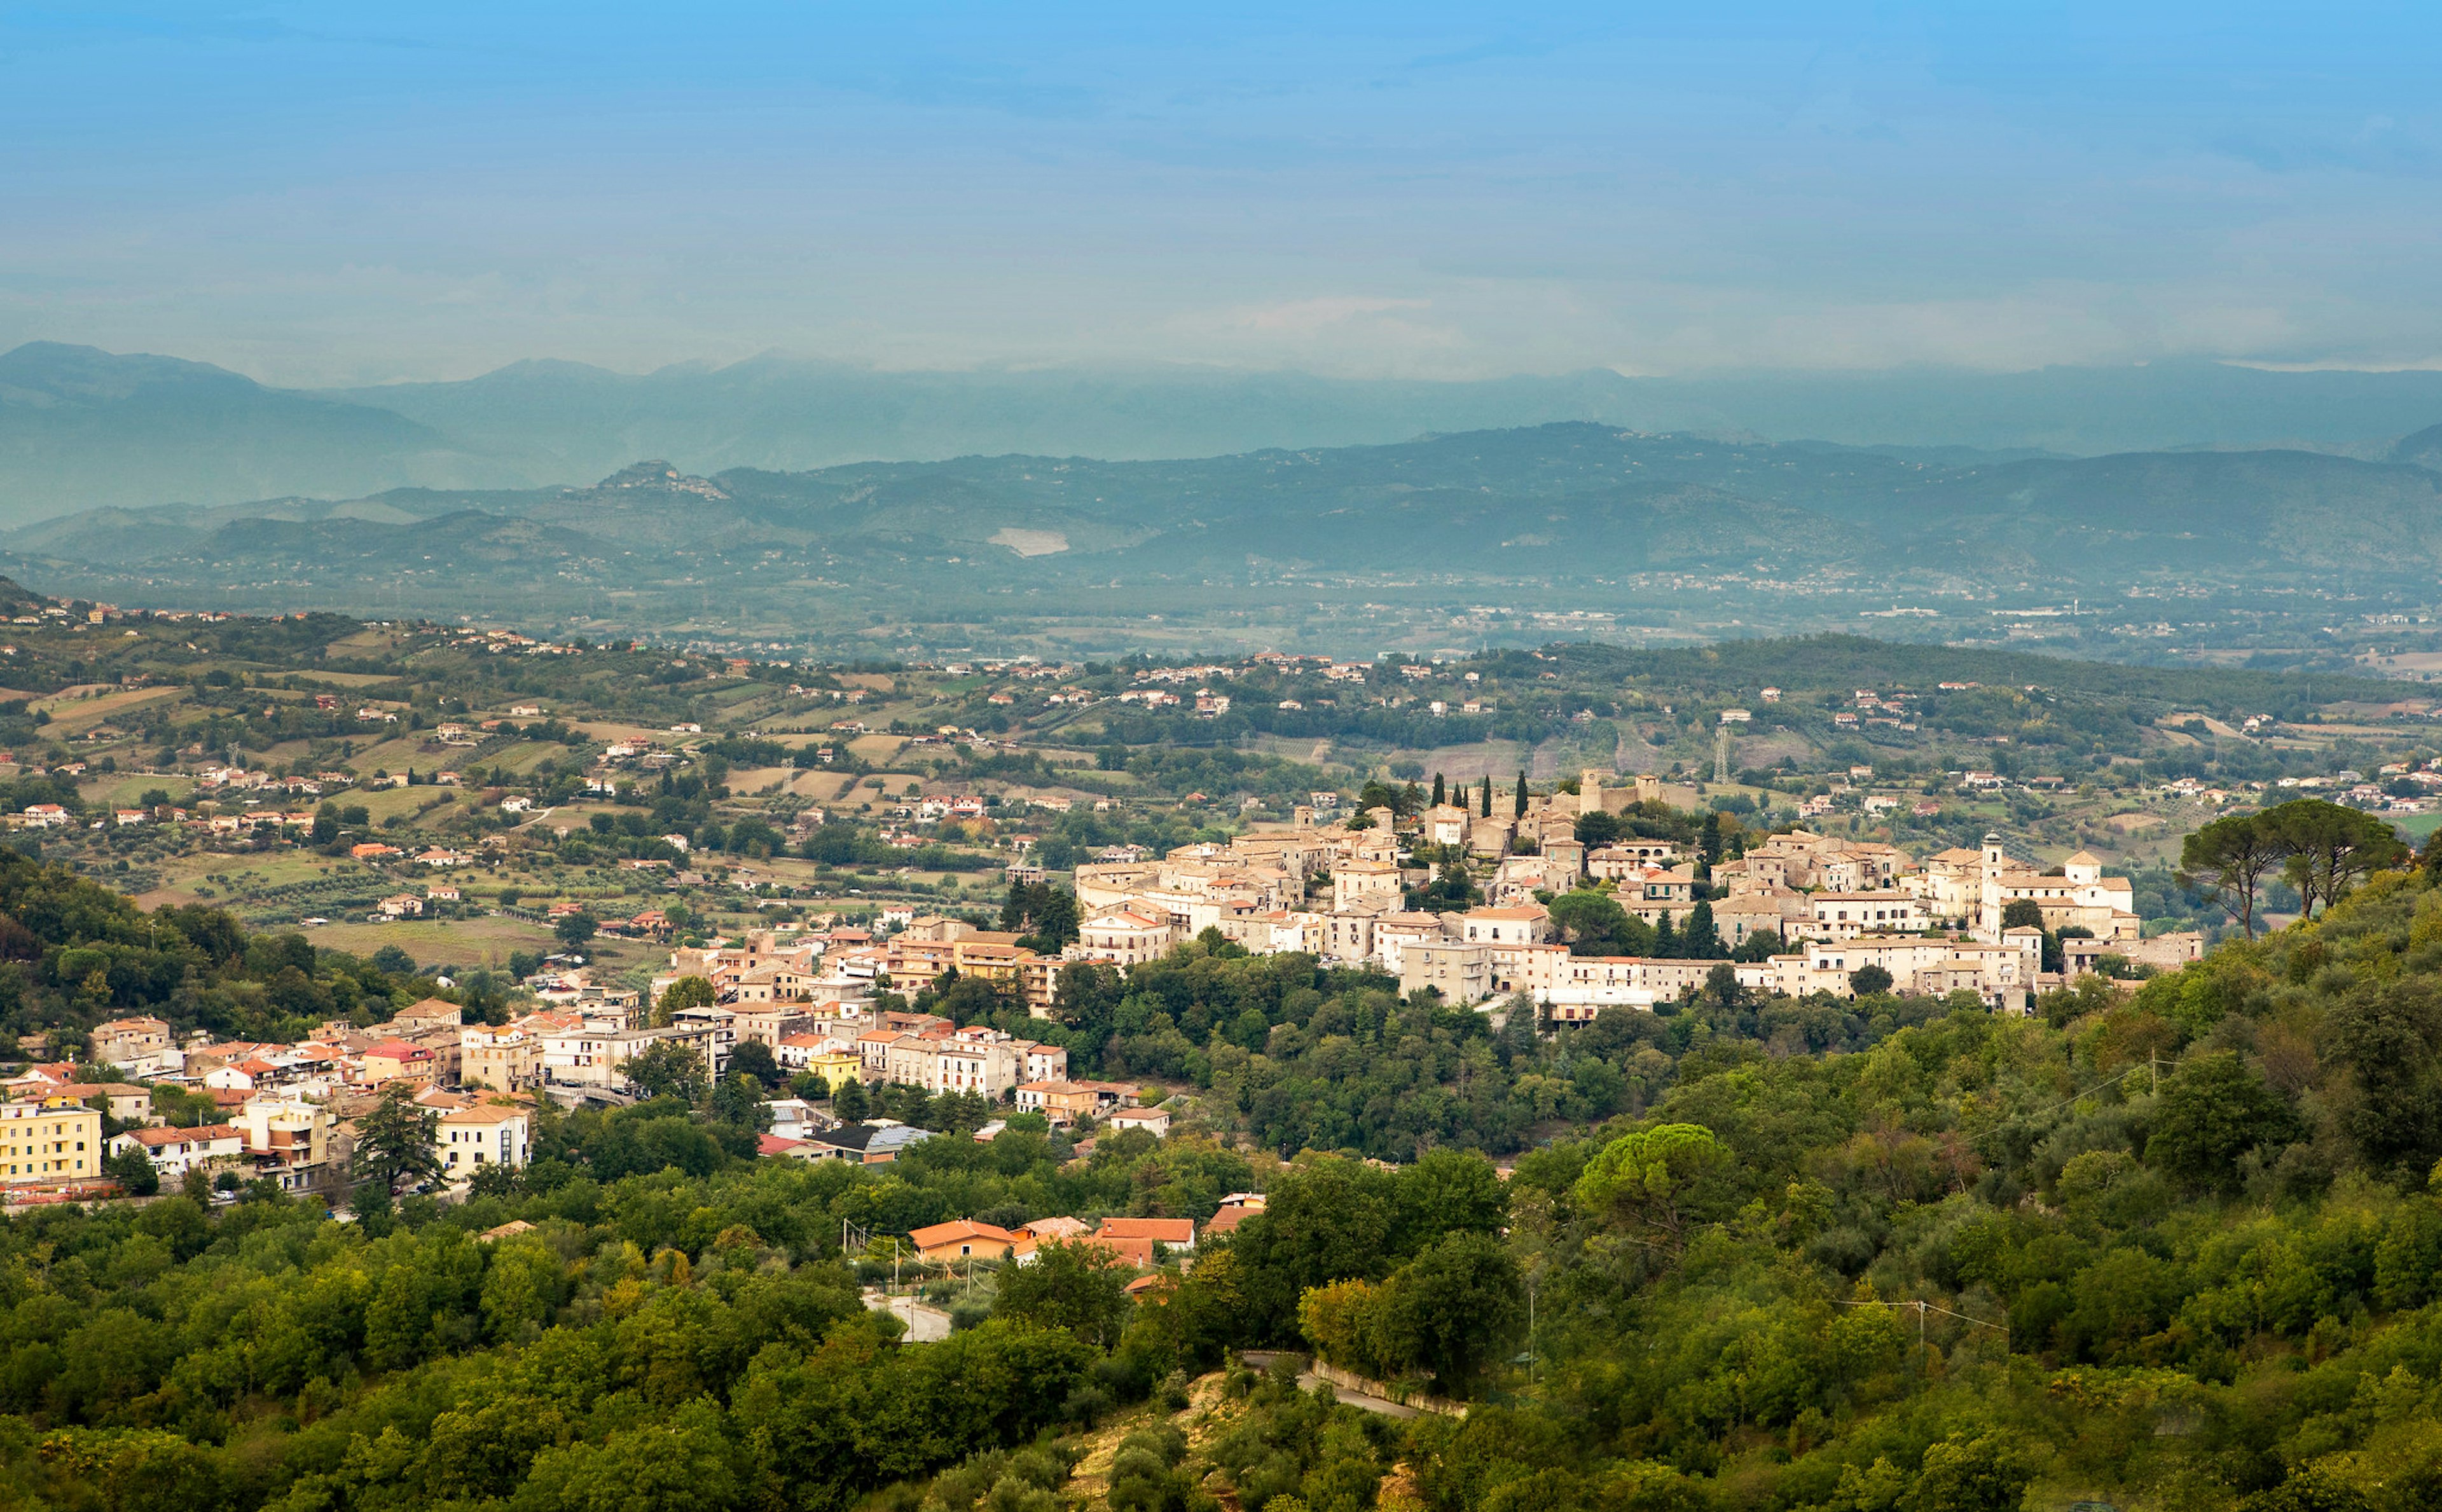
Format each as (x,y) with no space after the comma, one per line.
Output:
(961,1239)
(1153,1120)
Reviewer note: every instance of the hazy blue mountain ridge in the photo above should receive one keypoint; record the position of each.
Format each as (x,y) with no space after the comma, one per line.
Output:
(1556,503)
(82,428)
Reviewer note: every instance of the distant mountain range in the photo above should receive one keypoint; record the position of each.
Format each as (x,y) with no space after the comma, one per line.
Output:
(1564,513)
(82,428)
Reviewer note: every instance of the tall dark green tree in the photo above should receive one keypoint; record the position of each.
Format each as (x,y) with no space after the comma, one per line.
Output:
(1438,796)
(687,992)
(394,1141)
(1520,810)
(738,1100)
(2389,1036)
(1081,1287)
(1598,829)
(1488,795)
(2212,1111)
(576,929)
(667,1068)
(1592,924)
(754,1058)
(1454,1309)
(849,1103)
(1702,940)
(133,1169)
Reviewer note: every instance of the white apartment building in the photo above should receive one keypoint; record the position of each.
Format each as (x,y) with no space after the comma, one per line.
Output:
(469,1138)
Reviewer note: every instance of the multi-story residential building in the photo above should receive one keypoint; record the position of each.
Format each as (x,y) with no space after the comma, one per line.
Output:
(1630,858)
(1461,973)
(393,1060)
(1778,911)
(287,1140)
(1525,924)
(505,1059)
(588,1055)
(1846,914)
(976,1059)
(1127,936)
(466,1140)
(1348,934)
(49,1142)
(1355,883)
(1395,933)
(718,1029)
(1067,1102)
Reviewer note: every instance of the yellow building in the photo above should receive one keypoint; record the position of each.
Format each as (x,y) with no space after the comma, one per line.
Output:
(836,1067)
(48,1141)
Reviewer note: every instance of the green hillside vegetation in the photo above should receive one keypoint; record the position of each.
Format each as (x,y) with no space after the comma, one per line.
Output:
(2177,1246)
(73,952)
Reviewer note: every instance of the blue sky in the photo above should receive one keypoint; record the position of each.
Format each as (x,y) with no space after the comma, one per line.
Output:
(345,193)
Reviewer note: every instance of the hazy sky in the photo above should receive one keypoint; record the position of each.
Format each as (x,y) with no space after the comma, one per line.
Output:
(333,193)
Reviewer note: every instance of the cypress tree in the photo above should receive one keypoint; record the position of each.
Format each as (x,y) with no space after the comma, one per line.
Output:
(1703,942)
(1521,792)
(1440,796)
(1666,941)
(1488,795)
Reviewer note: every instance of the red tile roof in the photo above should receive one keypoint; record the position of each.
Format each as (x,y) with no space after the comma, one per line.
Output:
(1176,1232)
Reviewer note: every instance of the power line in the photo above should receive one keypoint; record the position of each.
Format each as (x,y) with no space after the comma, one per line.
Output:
(2153,1065)
(1923,1307)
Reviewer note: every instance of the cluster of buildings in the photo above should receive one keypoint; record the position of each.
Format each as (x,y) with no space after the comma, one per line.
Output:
(1834,906)
(284,1113)
(809,995)
(287,1110)
(1138,1243)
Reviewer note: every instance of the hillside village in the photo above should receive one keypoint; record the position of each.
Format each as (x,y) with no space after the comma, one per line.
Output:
(820,852)
(1796,914)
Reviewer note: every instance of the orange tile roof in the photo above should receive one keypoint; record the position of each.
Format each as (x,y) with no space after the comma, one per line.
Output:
(955,1229)
(1156,1230)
